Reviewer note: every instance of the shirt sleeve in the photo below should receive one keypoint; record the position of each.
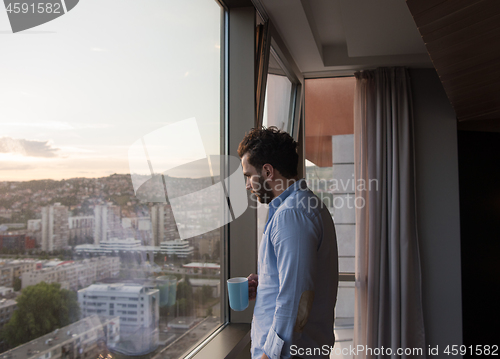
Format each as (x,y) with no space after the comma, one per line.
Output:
(296,240)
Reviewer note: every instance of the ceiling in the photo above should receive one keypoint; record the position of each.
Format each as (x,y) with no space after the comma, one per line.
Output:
(334,36)
(462,38)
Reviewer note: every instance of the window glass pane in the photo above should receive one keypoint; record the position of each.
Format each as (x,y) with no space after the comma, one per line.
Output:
(277,98)
(110,135)
(329,128)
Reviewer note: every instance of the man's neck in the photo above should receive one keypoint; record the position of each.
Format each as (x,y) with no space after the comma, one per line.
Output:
(281,184)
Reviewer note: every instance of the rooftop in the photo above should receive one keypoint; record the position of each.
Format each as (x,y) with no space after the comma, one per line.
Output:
(202,265)
(33,348)
(198,282)
(119,287)
(7,303)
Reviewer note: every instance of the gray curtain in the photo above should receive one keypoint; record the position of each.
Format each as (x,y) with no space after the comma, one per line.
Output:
(388,306)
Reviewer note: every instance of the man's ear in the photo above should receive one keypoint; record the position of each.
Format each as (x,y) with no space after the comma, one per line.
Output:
(268,171)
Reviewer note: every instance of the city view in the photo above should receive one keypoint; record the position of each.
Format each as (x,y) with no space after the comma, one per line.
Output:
(129,285)
(93,265)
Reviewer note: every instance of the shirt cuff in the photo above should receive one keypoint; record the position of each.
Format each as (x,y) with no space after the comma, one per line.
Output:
(273,345)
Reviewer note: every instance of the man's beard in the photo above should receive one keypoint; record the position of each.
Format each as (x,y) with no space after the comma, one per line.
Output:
(264,195)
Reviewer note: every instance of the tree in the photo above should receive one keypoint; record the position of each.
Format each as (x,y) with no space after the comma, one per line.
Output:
(184,297)
(185,307)
(16,284)
(206,291)
(210,312)
(41,309)
(184,290)
(216,251)
(196,254)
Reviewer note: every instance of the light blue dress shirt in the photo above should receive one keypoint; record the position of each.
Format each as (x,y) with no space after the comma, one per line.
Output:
(298,260)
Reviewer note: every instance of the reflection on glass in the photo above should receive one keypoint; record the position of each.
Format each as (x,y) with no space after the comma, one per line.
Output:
(89,230)
(335,186)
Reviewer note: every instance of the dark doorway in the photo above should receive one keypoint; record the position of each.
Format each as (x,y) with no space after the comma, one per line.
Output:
(479,176)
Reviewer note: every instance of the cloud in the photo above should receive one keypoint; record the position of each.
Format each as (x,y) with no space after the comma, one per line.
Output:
(57,125)
(17,168)
(27,147)
(75,150)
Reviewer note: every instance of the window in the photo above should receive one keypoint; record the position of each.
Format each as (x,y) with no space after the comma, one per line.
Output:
(281,107)
(87,177)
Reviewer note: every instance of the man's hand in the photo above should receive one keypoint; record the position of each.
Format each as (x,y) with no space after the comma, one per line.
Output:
(253,282)
(264,356)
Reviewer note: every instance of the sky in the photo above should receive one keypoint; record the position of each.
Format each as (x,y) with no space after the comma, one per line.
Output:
(77,92)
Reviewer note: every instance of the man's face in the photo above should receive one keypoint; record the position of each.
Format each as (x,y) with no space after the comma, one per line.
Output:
(255,182)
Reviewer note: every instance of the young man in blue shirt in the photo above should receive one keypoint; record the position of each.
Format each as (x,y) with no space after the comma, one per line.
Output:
(296,285)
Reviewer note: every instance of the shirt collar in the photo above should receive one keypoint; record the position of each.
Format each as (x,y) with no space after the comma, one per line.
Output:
(276,202)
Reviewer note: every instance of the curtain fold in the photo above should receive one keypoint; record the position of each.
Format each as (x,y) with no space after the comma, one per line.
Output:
(388,305)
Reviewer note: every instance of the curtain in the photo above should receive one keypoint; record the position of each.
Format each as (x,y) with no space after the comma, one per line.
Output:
(388,305)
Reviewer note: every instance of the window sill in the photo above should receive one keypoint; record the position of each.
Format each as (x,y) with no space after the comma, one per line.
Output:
(227,344)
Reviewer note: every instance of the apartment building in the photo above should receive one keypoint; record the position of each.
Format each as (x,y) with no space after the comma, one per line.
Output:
(116,245)
(74,274)
(208,244)
(180,248)
(163,223)
(34,232)
(34,225)
(136,305)
(80,228)
(107,222)
(7,308)
(15,269)
(87,338)
(13,241)
(55,227)
(138,228)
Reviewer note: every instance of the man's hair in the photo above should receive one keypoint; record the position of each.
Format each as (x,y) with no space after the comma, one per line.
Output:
(270,145)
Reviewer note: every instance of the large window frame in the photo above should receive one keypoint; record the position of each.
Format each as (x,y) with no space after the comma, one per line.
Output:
(240,115)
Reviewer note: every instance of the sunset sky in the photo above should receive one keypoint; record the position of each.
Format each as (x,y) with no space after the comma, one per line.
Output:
(77,92)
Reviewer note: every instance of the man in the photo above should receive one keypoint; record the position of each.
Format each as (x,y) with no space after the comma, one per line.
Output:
(296,285)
